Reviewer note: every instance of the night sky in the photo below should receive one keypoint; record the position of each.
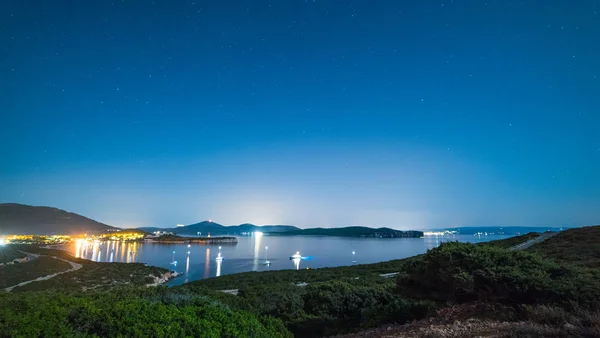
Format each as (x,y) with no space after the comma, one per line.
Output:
(406,114)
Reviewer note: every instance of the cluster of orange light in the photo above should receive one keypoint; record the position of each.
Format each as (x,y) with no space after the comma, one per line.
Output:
(55,239)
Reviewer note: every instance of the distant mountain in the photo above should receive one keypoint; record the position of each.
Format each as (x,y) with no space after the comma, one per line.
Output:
(355,231)
(509,230)
(267,228)
(216,229)
(26,219)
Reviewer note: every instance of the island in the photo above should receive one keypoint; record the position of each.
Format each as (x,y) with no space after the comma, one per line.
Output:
(168,238)
(352,231)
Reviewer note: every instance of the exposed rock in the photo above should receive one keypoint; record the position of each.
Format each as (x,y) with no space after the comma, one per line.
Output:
(165,277)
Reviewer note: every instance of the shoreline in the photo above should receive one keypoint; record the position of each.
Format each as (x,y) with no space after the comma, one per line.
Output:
(187,240)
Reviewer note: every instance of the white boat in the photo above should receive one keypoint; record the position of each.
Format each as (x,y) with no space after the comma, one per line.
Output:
(267,263)
(296,255)
(219,257)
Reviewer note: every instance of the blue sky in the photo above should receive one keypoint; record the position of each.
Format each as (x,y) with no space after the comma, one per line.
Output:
(409,114)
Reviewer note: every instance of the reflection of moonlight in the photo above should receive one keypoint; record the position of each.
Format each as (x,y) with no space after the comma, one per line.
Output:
(257,244)
(296,263)
(187,268)
(219,261)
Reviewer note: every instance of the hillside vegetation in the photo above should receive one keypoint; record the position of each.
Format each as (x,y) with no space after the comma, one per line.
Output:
(27,219)
(92,275)
(579,247)
(130,312)
(8,253)
(22,272)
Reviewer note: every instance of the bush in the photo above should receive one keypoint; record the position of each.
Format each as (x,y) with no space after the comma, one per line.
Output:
(128,312)
(461,272)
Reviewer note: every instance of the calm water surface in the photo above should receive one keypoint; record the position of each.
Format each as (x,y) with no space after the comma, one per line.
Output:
(250,253)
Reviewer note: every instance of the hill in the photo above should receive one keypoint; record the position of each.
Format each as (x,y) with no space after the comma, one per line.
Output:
(579,247)
(216,229)
(354,231)
(27,219)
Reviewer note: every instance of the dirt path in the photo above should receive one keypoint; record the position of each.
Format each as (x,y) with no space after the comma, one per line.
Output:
(533,241)
(74,267)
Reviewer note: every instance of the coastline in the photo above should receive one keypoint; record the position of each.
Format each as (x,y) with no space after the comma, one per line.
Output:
(186,240)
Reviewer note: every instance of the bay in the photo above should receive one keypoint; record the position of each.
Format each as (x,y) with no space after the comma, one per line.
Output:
(198,261)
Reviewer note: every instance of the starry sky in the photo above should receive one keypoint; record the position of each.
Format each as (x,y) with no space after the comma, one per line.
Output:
(406,114)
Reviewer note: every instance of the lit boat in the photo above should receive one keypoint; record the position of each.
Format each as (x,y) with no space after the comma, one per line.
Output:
(219,257)
(267,261)
(296,255)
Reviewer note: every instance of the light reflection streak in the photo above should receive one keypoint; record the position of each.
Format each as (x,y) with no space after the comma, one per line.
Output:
(187,268)
(219,267)
(296,263)
(207,264)
(78,249)
(95,250)
(257,244)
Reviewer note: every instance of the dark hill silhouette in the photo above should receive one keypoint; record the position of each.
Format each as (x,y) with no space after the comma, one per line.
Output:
(356,231)
(27,219)
(213,228)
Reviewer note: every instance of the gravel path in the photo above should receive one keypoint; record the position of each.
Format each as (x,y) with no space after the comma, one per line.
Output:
(533,241)
(74,267)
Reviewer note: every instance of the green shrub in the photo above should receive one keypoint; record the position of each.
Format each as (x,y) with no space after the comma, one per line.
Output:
(128,312)
(462,272)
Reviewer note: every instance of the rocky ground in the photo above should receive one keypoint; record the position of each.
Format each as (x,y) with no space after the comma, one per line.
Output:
(477,320)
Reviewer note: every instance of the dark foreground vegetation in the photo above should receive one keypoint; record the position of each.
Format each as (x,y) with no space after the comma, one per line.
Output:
(132,312)
(457,289)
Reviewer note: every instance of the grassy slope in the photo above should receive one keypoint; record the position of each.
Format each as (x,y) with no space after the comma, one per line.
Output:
(92,275)
(580,247)
(550,290)
(512,241)
(22,272)
(9,253)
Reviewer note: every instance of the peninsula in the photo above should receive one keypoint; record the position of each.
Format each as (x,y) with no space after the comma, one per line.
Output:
(184,240)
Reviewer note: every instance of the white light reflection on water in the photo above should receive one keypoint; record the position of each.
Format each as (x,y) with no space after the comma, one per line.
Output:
(219,262)
(207,264)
